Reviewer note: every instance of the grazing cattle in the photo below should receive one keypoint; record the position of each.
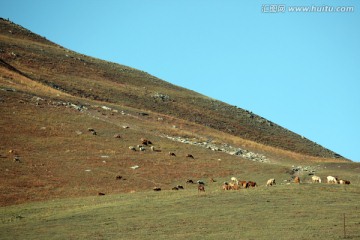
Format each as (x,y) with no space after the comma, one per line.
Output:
(234,186)
(189,181)
(271,182)
(316,179)
(117,136)
(201,182)
(212,180)
(331,179)
(142,149)
(234,180)
(175,188)
(119,177)
(180,187)
(296,179)
(101,194)
(132,148)
(152,148)
(226,186)
(252,184)
(172,154)
(190,156)
(244,184)
(201,188)
(157,189)
(145,142)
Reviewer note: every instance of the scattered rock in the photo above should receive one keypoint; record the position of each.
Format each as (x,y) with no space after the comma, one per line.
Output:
(226,148)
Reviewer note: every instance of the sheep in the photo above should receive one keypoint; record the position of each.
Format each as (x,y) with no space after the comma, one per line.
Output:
(271,182)
(315,179)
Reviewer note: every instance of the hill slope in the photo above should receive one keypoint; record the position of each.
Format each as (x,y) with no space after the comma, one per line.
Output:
(51,96)
(82,76)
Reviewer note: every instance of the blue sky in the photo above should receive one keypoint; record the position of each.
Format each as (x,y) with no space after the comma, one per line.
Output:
(299,70)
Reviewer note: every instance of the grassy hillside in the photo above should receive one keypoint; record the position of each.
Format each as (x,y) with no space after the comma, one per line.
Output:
(51,96)
(40,60)
(305,211)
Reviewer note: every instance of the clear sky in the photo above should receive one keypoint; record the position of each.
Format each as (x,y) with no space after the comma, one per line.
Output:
(300,70)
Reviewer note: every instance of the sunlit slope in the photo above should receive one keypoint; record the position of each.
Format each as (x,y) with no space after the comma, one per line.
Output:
(78,75)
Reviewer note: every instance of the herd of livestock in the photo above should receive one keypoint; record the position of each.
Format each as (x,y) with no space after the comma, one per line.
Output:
(235,184)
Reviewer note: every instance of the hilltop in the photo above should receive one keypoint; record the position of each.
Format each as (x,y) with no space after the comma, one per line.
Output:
(51,96)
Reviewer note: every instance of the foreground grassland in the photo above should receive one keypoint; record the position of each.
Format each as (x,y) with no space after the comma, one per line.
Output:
(305,211)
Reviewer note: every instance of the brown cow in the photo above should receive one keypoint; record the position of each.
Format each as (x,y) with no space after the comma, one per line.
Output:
(226,186)
(145,142)
(252,184)
(296,179)
(244,184)
(201,188)
(344,182)
(234,186)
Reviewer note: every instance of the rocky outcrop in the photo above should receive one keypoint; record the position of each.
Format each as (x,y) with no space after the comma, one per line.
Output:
(226,148)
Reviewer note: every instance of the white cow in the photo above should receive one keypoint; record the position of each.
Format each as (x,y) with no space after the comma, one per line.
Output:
(271,182)
(316,179)
(331,179)
(234,180)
